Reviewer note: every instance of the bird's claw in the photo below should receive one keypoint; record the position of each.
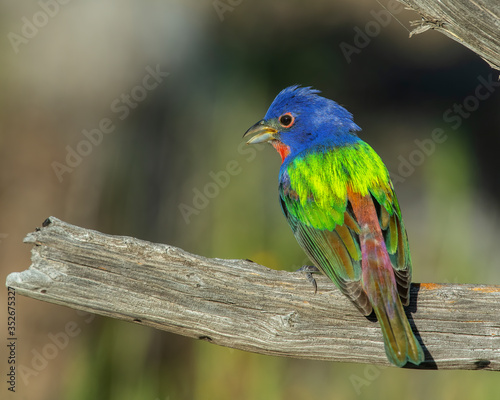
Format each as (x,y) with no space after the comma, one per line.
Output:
(308,270)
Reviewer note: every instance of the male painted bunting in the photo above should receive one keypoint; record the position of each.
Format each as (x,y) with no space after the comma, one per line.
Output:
(338,198)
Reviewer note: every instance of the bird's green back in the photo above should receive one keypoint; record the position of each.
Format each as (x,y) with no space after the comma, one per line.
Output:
(322,177)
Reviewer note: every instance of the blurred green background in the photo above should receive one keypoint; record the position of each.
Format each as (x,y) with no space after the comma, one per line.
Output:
(87,61)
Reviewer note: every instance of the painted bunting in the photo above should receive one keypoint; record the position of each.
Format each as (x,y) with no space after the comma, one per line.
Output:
(338,198)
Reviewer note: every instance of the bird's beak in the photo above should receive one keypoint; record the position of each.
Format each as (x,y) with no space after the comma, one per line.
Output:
(262,131)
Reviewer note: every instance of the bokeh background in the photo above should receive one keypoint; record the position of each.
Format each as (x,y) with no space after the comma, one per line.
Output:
(226,61)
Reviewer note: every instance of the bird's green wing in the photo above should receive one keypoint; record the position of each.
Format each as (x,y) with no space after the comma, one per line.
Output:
(336,251)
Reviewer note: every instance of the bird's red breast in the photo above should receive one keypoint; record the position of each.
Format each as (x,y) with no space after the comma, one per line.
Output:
(281,148)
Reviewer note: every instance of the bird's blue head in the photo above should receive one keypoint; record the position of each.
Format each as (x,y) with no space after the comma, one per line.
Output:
(300,119)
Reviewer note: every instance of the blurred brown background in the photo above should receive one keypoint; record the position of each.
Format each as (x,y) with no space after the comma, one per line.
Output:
(75,67)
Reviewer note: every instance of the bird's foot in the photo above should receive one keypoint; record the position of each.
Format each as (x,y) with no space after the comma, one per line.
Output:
(308,270)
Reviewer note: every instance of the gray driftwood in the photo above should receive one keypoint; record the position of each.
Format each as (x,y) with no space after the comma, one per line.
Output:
(246,306)
(473,23)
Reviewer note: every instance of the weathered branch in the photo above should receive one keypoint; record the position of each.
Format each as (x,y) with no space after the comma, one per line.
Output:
(473,23)
(246,306)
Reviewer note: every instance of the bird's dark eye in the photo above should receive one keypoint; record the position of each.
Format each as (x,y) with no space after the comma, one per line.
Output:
(287,120)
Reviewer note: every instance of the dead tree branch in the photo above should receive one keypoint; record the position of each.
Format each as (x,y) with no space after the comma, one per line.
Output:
(473,23)
(246,306)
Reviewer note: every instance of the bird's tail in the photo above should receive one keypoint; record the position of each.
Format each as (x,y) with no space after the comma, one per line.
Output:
(379,283)
(401,345)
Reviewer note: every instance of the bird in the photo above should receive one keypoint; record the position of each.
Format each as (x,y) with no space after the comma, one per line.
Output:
(338,198)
